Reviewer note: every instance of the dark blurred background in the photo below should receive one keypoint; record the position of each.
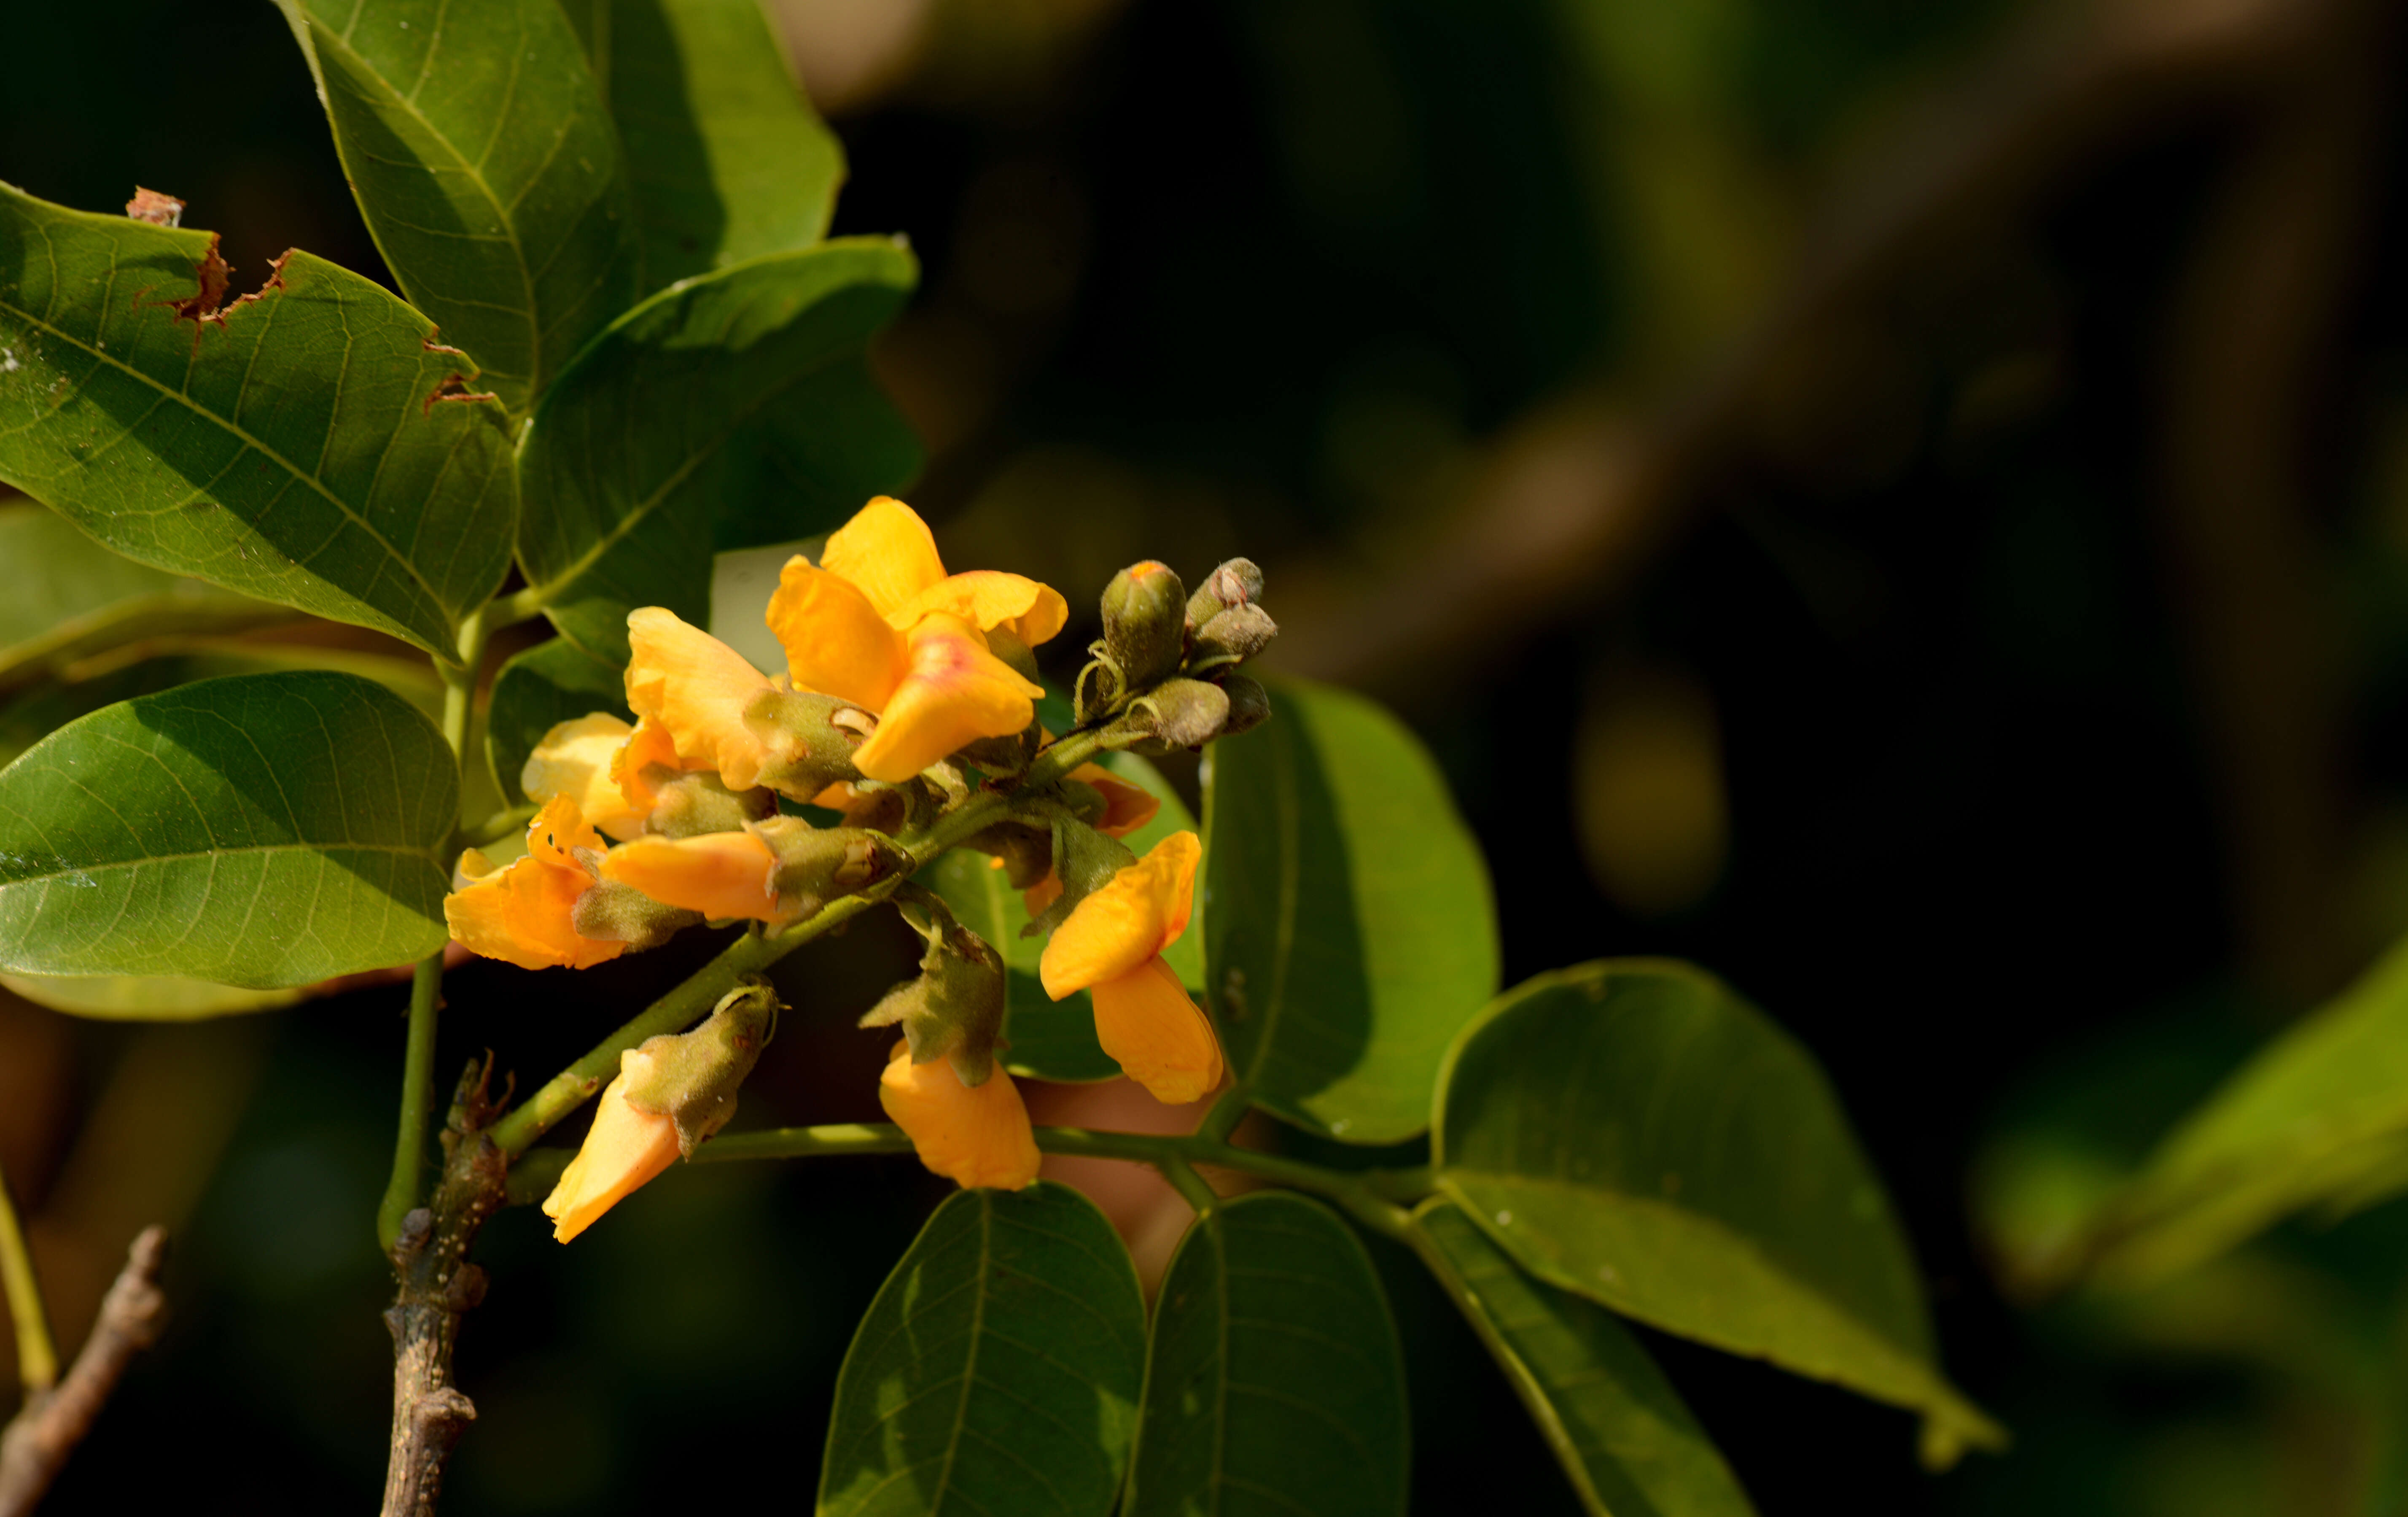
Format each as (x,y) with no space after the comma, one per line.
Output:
(1906,505)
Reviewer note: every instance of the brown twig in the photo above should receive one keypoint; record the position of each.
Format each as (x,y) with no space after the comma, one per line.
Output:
(50,1424)
(436,1286)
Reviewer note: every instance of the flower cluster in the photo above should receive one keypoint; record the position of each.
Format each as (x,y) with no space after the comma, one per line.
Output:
(908,698)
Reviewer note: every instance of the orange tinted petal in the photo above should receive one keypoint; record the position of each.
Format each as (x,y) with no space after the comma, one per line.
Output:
(522,915)
(1040,896)
(973,1137)
(1150,1026)
(955,693)
(626,1149)
(886,551)
(648,746)
(722,874)
(695,687)
(1126,806)
(556,833)
(1137,914)
(836,641)
(987,599)
(575,760)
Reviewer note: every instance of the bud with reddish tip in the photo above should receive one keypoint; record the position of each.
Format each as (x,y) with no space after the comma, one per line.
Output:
(1236,583)
(1145,626)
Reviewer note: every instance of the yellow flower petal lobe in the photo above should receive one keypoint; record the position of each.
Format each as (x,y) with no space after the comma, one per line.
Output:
(697,687)
(888,551)
(956,692)
(720,875)
(989,599)
(521,915)
(576,760)
(626,1149)
(836,641)
(973,1137)
(1137,914)
(1149,1025)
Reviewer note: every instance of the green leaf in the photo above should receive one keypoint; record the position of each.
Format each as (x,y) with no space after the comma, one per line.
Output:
(725,159)
(550,683)
(262,830)
(1634,1132)
(67,598)
(1274,1384)
(997,1372)
(1625,1441)
(293,453)
(1348,927)
(481,155)
(734,408)
(2320,1115)
(1056,1040)
(144,998)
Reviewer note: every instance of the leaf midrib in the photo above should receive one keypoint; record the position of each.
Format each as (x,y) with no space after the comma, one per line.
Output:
(426,852)
(251,440)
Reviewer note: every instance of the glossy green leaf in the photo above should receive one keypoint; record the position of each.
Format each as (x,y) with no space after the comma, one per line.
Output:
(63,597)
(725,160)
(550,683)
(1625,1441)
(1348,927)
(262,830)
(481,155)
(734,408)
(1056,1040)
(145,998)
(1634,1132)
(293,453)
(1274,1385)
(2319,1116)
(997,1372)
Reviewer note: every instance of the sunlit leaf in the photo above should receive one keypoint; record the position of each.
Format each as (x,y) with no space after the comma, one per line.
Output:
(1634,1132)
(63,597)
(2320,1115)
(1056,1040)
(294,452)
(724,158)
(999,1370)
(1625,1441)
(262,830)
(734,408)
(139,998)
(483,156)
(1274,1383)
(1348,927)
(551,683)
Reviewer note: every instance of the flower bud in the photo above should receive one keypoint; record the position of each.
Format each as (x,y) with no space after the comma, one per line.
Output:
(1249,705)
(808,740)
(609,911)
(1236,583)
(1231,638)
(699,802)
(1144,623)
(1176,714)
(955,1009)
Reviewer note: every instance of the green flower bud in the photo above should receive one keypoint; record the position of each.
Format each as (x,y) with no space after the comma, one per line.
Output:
(1176,714)
(1145,622)
(955,1010)
(691,1078)
(1249,705)
(1231,638)
(1236,583)
(609,911)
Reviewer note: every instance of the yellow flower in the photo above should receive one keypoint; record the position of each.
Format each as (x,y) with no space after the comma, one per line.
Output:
(523,914)
(1111,945)
(691,689)
(626,1149)
(973,1136)
(878,622)
(726,876)
(580,760)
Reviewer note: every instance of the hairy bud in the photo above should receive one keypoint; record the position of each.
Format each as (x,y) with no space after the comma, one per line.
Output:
(1236,583)
(691,1078)
(1249,705)
(1177,713)
(1231,638)
(1144,623)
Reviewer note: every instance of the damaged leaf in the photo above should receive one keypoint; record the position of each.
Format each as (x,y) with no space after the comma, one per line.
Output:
(278,446)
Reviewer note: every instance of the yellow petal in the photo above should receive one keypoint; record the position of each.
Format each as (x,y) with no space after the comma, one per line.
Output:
(836,641)
(626,1149)
(522,915)
(886,551)
(956,692)
(697,687)
(575,760)
(1126,806)
(1147,1023)
(973,1137)
(722,874)
(988,599)
(1137,914)
(647,748)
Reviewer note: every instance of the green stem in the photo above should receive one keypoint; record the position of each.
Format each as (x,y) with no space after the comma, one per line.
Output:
(401,1192)
(1181,1175)
(1224,1115)
(756,951)
(37,1356)
(519,606)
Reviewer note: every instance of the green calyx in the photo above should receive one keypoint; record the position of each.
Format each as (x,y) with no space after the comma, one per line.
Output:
(820,865)
(808,740)
(692,1077)
(955,1009)
(1085,862)
(609,911)
(698,802)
